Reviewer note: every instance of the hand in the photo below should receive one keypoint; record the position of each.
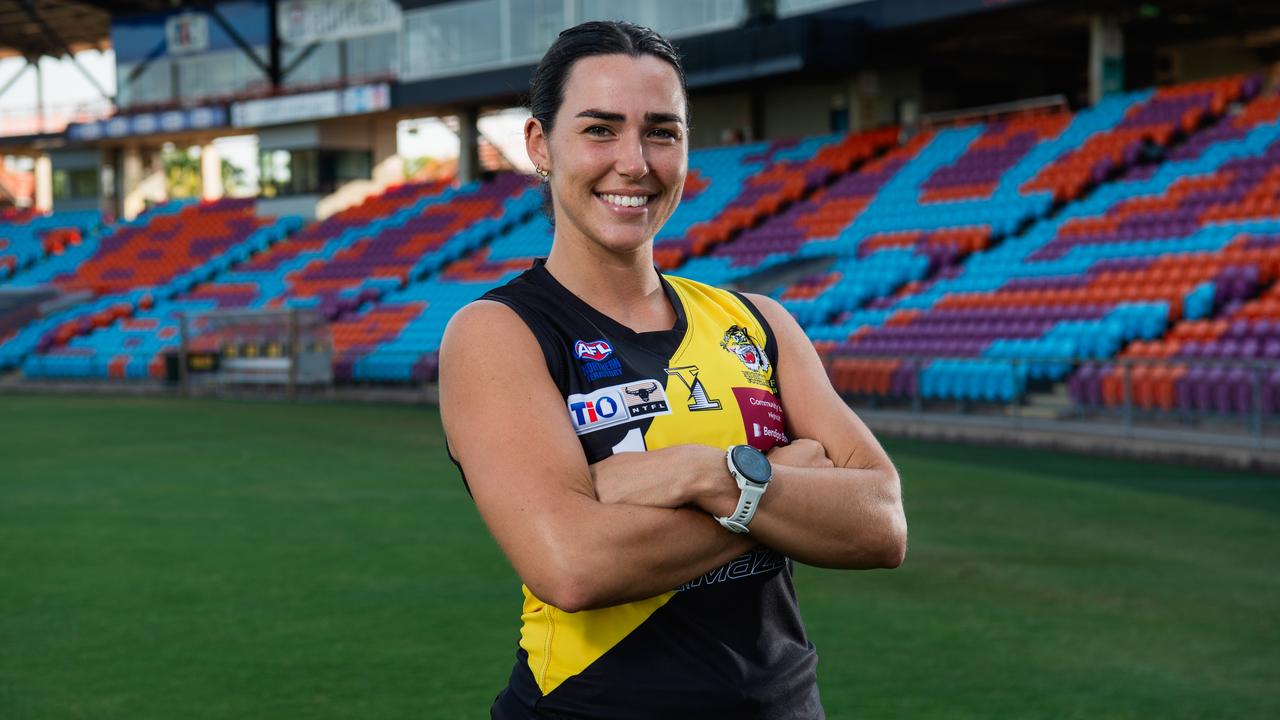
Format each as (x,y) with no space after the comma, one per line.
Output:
(802,452)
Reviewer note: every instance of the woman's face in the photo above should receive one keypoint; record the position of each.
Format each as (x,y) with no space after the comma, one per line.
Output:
(618,152)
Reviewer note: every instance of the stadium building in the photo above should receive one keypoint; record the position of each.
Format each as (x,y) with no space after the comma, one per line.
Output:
(1037,220)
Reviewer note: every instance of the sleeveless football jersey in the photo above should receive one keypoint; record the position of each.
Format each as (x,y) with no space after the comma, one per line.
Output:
(727,644)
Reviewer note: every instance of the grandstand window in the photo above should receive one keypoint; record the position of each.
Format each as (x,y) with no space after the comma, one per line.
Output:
(451,38)
(322,65)
(795,7)
(372,56)
(669,17)
(217,74)
(467,36)
(540,22)
(75,184)
(152,86)
(332,62)
(311,172)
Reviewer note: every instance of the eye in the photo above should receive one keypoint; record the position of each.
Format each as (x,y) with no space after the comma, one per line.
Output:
(664,134)
(598,131)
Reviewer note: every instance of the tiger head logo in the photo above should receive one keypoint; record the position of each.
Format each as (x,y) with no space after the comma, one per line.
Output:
(738,341)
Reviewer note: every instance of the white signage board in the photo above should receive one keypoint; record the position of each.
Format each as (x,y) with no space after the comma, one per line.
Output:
(307,21)
(311,106)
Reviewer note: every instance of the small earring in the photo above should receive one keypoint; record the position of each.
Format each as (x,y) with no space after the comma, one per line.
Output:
(544,173)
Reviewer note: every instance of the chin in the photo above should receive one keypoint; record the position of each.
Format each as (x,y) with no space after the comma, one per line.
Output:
(623,239)
(625,245)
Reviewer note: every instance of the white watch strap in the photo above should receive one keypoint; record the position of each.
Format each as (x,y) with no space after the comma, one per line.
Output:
(748,501)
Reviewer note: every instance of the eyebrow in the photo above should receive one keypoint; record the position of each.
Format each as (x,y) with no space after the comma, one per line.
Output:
(650,117)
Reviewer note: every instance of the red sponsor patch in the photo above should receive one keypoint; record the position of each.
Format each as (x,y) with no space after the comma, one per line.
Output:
(762,418)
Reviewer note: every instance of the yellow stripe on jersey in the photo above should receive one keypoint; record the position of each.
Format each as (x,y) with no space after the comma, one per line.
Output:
(561,645)
(700,378)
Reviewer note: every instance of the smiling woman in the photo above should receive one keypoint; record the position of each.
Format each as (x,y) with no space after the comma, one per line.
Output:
(619,429)
(621,156)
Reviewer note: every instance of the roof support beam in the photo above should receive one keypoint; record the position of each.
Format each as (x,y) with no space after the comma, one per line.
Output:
(141,67)
(30,7)
(298,60)
(272,71)
(15,78)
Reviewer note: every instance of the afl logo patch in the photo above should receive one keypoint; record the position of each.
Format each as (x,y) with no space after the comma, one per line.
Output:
(596,350)
(596,360)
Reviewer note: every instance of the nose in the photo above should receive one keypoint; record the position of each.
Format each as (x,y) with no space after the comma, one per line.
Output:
(631,161)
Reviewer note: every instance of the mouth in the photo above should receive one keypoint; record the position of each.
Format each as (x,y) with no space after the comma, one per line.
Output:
(625,203)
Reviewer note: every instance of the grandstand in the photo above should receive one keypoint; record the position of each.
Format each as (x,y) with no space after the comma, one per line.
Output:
(1094,253)
(1040,225)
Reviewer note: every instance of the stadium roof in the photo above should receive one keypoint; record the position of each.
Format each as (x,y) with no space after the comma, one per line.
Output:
(32,28)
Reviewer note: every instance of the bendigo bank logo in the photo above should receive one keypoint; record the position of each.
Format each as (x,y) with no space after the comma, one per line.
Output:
(616,405)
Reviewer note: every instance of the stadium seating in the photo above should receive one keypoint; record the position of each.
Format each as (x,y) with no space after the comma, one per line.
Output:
(27,239)
(785,172)
(1131,249)
(970,202)
(728,188)
(384,342)
(409,351)
(336,266)
(1223,364)
(161,254)
(126,275)
(1085,282)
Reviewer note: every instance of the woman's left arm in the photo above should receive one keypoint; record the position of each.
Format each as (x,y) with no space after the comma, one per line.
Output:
(846,513)
(843,514)
(846,516)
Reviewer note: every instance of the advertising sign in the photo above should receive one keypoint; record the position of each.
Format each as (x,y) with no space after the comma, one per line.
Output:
(311,106)
(170,121)
(307,21)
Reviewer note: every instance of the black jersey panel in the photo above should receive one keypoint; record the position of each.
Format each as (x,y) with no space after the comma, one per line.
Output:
(704,654)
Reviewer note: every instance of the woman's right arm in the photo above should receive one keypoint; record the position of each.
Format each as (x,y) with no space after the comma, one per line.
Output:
(509,429)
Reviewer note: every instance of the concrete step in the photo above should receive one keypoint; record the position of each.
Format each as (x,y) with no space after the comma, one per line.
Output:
(1053,405)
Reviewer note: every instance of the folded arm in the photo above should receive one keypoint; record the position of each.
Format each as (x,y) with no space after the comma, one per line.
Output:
(835,499)
(509,429)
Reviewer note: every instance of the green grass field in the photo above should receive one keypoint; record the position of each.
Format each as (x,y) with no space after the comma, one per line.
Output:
(206,559)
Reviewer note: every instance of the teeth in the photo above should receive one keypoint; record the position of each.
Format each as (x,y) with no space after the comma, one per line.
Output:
(626,200)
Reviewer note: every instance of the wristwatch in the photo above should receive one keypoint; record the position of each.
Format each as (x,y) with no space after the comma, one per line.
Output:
(752,471)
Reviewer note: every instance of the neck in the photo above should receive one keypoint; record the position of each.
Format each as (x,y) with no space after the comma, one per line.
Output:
(623,286)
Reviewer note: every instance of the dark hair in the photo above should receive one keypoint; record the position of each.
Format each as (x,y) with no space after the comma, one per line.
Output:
(597,37)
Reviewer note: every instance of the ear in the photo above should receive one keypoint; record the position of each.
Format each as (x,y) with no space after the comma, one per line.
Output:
(536,143)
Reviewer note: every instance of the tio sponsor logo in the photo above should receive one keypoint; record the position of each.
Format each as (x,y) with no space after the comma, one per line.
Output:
(596,350)
(616,405)
(588,412)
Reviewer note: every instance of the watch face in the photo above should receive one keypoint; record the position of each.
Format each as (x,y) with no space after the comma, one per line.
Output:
(752,463)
